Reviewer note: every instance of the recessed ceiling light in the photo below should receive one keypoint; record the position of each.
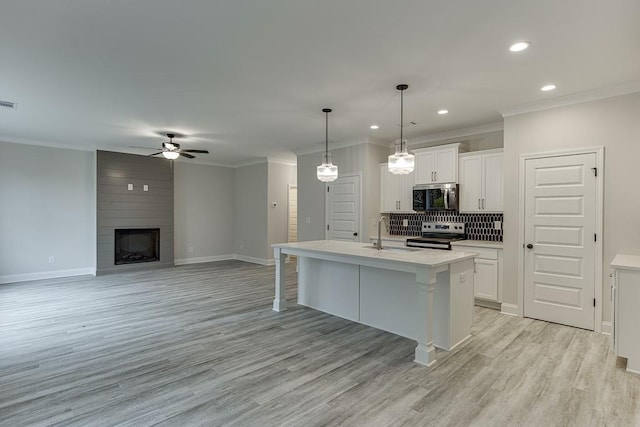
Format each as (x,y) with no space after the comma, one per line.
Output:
(374,127)
(441,112)
(519,46)
(547,88)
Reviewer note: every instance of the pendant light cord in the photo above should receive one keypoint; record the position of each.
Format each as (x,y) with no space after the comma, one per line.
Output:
(401,117)
(326,135)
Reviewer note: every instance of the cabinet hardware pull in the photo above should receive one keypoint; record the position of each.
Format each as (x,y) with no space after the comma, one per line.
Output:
(478,204)
(482,203)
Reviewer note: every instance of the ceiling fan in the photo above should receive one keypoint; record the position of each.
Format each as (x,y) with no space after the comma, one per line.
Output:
(172,150)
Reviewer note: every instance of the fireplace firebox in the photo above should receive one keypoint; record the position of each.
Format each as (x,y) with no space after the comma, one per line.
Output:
(133,245)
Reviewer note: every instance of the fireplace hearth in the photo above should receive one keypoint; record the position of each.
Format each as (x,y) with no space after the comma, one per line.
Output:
(135,245)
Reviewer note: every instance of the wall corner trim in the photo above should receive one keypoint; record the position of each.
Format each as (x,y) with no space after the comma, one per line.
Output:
(510,309)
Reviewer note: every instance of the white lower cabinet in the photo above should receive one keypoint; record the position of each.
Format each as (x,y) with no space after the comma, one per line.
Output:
(486,279)
(625,295)
(487,272)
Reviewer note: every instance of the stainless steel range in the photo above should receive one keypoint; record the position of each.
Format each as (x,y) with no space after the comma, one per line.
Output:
(438,235)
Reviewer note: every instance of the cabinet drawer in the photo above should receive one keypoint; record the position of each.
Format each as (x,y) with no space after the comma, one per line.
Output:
(484,253)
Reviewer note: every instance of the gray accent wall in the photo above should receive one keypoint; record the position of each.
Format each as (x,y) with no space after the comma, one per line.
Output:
(204,212)
(117,207)
(364,158)
(47,209)
(250,212)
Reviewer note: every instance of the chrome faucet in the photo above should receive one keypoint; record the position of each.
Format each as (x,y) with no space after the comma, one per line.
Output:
(378,244)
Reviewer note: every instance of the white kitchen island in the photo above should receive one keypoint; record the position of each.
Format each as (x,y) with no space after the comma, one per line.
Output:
(422,294)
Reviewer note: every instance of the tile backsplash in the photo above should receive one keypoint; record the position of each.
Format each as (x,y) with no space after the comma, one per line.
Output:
(479,226)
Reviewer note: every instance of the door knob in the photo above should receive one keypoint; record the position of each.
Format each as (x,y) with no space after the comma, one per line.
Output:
(355,234)
(529,246)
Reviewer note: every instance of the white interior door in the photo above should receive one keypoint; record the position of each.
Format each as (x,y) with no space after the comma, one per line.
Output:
(343,209)
(559,235)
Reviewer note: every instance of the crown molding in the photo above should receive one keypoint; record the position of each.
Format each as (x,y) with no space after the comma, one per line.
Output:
(574,98)
(282,161)
(458,133)
(334,146)
(48,144)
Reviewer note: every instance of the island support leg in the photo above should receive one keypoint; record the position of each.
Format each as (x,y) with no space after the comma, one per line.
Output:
(280,301)
(425,353)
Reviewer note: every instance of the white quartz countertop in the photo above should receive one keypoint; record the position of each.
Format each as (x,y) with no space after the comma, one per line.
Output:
(626,262)
(423,257)
(390,237)
(478,244)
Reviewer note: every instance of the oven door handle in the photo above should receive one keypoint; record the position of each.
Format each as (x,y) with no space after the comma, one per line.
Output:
(446,199)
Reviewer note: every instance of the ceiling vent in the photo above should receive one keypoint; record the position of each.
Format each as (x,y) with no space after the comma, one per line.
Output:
(8,104)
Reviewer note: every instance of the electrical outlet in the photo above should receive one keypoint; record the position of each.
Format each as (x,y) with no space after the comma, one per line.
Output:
(52,260)
(463,277)
(497,225)
(130,187)
(405,222)
(145,187)
(190,249)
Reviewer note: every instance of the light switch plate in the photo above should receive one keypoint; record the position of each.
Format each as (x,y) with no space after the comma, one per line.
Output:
(145,187)
(463,277)
(307,220)
(130,187)
(405,222)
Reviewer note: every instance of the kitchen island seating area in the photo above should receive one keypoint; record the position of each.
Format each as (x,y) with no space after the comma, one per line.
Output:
(424,295)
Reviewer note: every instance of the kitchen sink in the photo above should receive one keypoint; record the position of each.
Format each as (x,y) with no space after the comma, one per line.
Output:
(394,248)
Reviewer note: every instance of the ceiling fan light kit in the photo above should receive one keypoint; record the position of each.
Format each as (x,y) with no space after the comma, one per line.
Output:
(327,171)
(171,150)
(401,162)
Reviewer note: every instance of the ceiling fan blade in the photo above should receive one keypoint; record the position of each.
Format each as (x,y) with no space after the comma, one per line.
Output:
(188,156)
(155,154)
(195,151)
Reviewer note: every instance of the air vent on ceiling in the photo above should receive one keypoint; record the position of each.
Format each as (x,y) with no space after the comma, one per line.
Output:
(8,104)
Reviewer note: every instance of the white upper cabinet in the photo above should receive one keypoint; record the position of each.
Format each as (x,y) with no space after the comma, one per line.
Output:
(481,181)
(396,191)
(437,165)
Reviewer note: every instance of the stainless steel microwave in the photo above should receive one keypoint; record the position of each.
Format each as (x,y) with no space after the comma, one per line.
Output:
(435,197)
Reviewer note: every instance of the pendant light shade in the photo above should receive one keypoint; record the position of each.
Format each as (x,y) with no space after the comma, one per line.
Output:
(327,171)
(401,162)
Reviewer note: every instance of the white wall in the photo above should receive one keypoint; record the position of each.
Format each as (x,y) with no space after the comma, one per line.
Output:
(47,208)
(364,158)
(203,212)
(613,123)
(280,176)
(250,212)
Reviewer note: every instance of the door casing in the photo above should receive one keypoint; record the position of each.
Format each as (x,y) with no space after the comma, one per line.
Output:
(599,152)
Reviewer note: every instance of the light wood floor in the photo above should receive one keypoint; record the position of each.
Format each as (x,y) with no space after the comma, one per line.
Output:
(200,345)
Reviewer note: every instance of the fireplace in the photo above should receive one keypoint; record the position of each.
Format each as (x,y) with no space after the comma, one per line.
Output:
(134,245)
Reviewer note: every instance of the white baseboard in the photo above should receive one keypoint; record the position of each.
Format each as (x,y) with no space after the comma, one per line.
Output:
(509,309)
(261,261)
(47,275)
(606,328)
(201,259)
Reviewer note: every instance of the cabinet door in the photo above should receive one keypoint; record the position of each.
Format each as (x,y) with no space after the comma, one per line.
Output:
(486,279)
(389,185)
(425,167)
(446,165)
(493,182)
(470,183)
(406,192)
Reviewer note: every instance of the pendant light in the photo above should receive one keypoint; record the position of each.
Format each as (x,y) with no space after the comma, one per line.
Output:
(401,162)
(327,171)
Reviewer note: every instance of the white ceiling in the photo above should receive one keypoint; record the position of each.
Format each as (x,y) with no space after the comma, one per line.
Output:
(247,79)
